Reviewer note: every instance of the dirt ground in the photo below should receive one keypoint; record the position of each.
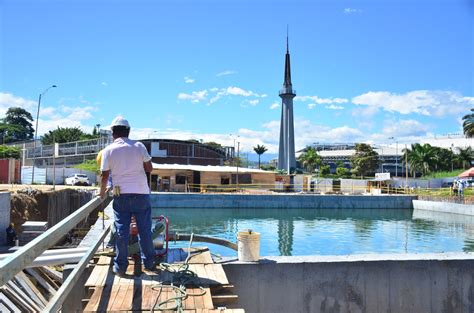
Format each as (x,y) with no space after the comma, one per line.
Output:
(30,204)
(26,207)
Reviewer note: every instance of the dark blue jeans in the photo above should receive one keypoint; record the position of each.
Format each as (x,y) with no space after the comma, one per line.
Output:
(125,206)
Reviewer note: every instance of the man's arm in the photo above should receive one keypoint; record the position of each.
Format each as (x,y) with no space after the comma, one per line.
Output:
(147,166)
(103,182)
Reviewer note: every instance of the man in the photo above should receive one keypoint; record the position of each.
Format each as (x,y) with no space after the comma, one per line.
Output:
(127,161)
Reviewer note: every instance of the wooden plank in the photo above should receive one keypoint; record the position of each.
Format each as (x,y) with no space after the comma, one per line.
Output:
(188,302)
(224,299)
(137,294)
(198,300)
(202,274)
(40,280)
(92,277)
(222,289)
(20,298)
(114,292)
(220,274)
(210,274)
(7,304)
(51,281)
(105,294)
(128,298)
(94,300)
(126,301)
(57,276)
(207,299)
(31,289)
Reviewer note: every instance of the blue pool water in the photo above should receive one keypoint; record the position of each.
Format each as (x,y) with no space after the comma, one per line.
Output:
(324,232)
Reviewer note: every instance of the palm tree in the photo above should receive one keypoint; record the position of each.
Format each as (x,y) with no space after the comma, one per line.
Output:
(260,149)
(465,156)
(468,124)
(310,159)
(421,158)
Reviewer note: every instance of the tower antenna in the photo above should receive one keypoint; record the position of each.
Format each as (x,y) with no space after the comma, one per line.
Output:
(287,31)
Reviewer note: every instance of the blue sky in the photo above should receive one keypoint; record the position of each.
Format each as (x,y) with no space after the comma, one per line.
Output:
(363,70)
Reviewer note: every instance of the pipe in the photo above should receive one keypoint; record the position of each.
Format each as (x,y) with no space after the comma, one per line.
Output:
(200,238)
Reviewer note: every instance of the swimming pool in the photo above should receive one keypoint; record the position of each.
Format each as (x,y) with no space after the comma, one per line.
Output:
(288,232)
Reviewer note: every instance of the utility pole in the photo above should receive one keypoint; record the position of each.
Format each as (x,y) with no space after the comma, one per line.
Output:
(406,166)
(36,133)
(238,161)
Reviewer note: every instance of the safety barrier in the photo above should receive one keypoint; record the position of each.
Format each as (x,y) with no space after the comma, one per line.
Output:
(446,194)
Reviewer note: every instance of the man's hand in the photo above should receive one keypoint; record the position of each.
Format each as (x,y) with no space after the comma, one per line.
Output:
(103,184)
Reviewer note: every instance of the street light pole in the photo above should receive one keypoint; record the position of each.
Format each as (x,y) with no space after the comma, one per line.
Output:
(36,132)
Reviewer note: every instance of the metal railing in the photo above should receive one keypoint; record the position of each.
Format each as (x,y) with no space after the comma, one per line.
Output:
(23,257)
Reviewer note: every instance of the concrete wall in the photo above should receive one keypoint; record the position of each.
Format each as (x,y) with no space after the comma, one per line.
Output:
(4,215)
(371,283)
(300,201)
(445,207)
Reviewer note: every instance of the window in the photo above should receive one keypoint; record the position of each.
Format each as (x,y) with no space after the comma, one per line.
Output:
(180,180)
(225,180)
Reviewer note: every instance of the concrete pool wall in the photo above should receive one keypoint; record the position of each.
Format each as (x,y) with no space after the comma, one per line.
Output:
(444,207)
(356,283)
(280,201)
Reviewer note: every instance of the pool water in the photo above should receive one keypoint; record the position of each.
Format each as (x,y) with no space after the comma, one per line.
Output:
(324,231)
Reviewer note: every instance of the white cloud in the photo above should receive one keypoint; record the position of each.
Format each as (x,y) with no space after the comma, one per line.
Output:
(315,100)
(8,100)
(225,73)
(104,84)
(334,107)
(425,102)
(352,11)
(275,105)
(404,128)
(189,80)
(216,94)
(51,117)
(195,96)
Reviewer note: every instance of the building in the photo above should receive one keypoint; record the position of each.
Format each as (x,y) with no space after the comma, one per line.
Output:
(171,151)
(286,153)
(183,178)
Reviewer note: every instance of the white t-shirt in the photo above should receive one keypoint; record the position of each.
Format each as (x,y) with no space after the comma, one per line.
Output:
(125,158)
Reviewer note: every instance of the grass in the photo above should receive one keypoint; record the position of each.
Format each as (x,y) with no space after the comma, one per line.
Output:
(442,192)
(443,174)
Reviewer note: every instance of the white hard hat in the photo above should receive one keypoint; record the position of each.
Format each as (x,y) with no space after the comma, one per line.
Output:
(120,121)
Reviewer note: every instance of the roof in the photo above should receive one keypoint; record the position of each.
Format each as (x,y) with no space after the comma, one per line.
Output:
(468,173)
(208,168)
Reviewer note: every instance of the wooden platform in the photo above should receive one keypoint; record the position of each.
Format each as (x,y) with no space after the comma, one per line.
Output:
(142,290)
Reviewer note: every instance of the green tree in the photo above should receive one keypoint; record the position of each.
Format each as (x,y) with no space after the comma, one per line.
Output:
(88,165)
(65,134)
(324,169)
(9,152)
(6,130)
(421,158)
(443,158)
(465,157)
(468,124)
(365,160)
(260,149)
(310,159)
(17,125)
(213,144)
(343,172)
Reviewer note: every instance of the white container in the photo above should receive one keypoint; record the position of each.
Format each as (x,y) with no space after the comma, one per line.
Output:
(248,246)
